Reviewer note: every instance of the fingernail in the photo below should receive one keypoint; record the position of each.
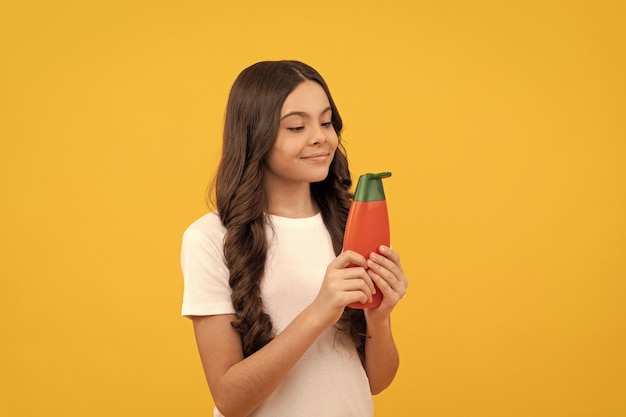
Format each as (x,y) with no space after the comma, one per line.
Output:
(374,256)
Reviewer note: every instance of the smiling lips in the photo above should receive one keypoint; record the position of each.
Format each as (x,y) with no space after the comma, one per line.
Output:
(316,157)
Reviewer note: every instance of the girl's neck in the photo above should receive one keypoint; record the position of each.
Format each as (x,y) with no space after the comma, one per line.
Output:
(294,203)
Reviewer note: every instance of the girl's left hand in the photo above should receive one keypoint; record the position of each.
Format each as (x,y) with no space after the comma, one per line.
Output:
(386,271)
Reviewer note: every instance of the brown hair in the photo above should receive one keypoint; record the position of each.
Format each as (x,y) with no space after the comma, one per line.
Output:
(250,128)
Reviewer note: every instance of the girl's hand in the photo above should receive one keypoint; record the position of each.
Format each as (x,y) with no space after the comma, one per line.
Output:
(386,271)
(346,281)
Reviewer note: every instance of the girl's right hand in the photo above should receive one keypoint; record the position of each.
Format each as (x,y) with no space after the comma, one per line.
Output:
(346,281)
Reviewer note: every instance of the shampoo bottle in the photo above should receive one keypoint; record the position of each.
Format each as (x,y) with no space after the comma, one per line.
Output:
(367,226)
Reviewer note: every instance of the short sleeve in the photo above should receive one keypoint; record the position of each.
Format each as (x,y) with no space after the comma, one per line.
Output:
(206,290)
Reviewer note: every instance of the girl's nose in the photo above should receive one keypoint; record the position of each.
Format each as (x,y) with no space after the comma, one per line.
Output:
(320,136)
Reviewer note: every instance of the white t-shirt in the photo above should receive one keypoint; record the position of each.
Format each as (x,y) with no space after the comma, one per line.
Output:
(329,379)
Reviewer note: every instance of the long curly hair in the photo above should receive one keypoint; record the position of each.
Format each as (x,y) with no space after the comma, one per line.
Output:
(250,128)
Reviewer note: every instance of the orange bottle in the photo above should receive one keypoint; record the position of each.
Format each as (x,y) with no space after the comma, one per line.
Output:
(367,226)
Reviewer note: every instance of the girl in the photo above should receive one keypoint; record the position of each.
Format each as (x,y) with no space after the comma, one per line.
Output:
(266,281)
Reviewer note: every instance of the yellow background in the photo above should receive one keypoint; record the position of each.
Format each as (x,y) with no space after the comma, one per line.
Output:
(503,124)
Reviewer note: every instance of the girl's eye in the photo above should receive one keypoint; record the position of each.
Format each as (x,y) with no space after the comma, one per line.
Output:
(296,129)
(327,124)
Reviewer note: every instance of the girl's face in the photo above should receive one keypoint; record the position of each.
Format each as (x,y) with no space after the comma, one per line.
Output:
(306,140)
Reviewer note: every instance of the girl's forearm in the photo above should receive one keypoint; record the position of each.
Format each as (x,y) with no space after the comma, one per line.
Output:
(251,381)
(381,355)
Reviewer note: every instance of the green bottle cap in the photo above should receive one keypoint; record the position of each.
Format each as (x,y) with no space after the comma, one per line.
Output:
(370,187)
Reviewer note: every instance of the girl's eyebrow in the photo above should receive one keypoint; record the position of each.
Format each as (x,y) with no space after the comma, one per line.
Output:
(304,114)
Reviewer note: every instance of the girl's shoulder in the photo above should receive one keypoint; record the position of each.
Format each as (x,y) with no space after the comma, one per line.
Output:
(209,225)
